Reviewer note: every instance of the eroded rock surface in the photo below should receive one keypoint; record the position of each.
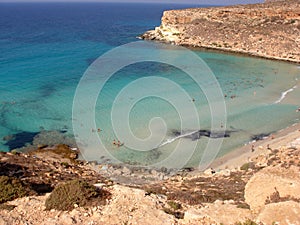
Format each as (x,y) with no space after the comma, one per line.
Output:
(283,181)
(270,30)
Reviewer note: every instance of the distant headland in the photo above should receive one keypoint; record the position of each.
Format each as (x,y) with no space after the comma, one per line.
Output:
(270,30)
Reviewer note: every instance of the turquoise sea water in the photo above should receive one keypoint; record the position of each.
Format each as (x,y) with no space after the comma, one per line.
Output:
(46,48)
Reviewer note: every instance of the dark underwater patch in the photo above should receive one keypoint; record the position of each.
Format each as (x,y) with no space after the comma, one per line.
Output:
(47,90)
(21,139)
(205,133)
(258,137)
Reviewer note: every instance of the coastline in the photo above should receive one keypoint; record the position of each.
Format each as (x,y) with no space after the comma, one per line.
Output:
(236,158)
(240,53)
(268,30)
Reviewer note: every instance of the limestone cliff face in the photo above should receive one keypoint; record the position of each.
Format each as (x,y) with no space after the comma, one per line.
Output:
(270,30)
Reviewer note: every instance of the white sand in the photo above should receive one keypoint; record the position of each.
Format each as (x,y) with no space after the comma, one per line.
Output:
(289,137)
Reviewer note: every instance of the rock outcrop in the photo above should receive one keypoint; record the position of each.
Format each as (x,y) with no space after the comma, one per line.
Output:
(275,181)
(282,212)
(270,30)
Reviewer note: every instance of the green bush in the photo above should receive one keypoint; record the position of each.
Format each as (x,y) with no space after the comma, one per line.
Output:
(174,205)
(65,196)
(12,188)
(243,206)
(248,166)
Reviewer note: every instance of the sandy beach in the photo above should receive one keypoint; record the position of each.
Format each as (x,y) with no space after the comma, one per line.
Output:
(288,137)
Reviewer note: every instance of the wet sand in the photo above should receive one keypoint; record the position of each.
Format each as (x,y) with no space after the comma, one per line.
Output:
(288,137)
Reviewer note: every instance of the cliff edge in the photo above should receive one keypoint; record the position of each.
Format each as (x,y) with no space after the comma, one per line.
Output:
(269,30)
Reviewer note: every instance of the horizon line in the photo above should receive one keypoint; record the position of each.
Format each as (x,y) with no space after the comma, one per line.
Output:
(210,3)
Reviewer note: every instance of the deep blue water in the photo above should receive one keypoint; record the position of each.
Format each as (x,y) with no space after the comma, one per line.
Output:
(46,48)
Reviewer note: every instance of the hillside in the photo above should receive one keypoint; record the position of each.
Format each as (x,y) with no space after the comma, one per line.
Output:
(270,30)
(265,190)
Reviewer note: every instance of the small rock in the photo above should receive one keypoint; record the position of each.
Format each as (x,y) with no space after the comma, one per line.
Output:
(116,172)
(8,137)
(126,171)
(66,219)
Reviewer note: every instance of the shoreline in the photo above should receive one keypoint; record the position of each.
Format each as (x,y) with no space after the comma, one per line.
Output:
(267,30)
(238,53)
(232,160)
(222,50)
(236,158)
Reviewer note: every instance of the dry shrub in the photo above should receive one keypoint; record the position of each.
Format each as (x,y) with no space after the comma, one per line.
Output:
(12,188)
(79,192)
(275,197)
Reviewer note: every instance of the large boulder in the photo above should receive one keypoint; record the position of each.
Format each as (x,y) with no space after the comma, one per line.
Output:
(282,213)
(285,181)
(218,212)
(132,206)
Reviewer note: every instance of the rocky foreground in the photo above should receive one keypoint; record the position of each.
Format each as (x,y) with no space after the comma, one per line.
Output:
(265,190)
(269,30)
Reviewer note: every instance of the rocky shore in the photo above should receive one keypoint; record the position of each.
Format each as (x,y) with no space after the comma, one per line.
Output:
(262,190)
(270,30)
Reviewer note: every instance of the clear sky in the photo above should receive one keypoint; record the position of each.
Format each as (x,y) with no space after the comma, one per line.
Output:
(203,2)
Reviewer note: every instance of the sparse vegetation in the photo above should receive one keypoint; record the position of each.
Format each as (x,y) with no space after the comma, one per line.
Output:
(231,188)
(177,214)
(243,206)
(174,205)
(14,152)
(247,222)
(79,192)
(65,164)
(247,166)
(275,197)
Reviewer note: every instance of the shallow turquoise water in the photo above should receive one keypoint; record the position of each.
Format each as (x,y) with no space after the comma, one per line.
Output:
(46,49)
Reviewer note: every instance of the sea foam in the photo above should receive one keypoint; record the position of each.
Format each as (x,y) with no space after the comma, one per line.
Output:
(283,94)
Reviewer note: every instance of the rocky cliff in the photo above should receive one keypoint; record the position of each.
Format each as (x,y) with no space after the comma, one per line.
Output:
(270,30)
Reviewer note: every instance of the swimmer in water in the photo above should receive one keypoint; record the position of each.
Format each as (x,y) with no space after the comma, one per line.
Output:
(119,144)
